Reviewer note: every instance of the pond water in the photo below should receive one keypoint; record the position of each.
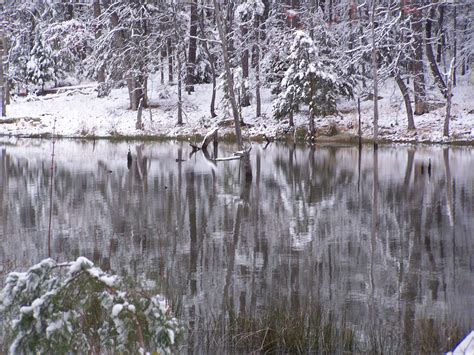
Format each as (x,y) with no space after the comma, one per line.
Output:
(382,239)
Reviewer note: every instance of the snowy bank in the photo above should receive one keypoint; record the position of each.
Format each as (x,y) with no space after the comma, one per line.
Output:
(466,346)
(79,113)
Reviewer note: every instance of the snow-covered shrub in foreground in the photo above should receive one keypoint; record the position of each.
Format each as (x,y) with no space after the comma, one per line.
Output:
(58,308)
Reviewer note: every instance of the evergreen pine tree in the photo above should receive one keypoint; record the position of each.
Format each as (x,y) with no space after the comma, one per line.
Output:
(308,81)
(40,67)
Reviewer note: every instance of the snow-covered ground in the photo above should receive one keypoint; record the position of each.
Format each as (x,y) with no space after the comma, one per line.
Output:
(79,113)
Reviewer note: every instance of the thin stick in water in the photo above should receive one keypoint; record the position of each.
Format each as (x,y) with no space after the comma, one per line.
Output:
(51,192)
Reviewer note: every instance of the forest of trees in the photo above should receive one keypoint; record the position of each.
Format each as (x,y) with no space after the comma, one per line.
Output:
(309,52)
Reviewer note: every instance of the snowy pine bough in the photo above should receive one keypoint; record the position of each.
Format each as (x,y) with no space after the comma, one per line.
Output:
(63,307)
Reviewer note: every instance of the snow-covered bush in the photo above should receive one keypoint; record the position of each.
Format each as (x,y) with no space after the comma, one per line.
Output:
(309,81)
(59,308)
(71,42)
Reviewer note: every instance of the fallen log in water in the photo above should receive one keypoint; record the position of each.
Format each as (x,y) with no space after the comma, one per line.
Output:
(208,138)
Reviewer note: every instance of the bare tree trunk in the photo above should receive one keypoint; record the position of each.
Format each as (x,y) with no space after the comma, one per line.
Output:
(245,101)
(455,45)
(430,55)
(190,76)
(131,94)
(69,12)
(137,92)
(162,66)
(229,76)
(2,78)
(257,87)
(139,123)
(417,63)
(170,60)
(257,72)
(120,41)
(6,81)
(448,98)
(375,78)
(312,130)
(180,99)
(466,20)
(406,98)
(96,9)
(330,10)
(441,39)
(141,87)
(212,65)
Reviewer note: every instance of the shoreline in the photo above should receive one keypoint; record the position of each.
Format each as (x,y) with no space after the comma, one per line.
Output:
(82,115)
(229,137)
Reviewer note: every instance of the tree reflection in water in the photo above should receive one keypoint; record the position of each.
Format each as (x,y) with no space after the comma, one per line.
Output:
(368,236)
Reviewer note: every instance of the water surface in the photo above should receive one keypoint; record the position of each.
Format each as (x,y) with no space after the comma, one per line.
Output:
(382,239)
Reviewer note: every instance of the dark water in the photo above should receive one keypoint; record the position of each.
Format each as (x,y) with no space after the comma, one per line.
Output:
(377,238)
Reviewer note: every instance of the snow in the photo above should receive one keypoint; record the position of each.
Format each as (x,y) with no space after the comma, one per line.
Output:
(79,113)
(466,346)
(116,309)
(109,280)
(81,263)
(54,326)
(171,335)
(161,302)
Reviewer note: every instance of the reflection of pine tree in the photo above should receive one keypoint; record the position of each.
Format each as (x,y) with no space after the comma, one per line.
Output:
(40,67)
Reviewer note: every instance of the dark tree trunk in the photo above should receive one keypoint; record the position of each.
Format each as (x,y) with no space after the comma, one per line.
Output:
(257,81)
(120,41)
(441,41)
(169,49)
(3,103)
(131,94)
(180,80)
(228,72)
(211,64)
(429,53)
(417,63)
(455,46)
(406,98)
(6,82)
(137,92)
(229,27)
(162,66)
(256,56)
(96,9)
(69,12)
(191,64)
(330,11)
(375,78)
